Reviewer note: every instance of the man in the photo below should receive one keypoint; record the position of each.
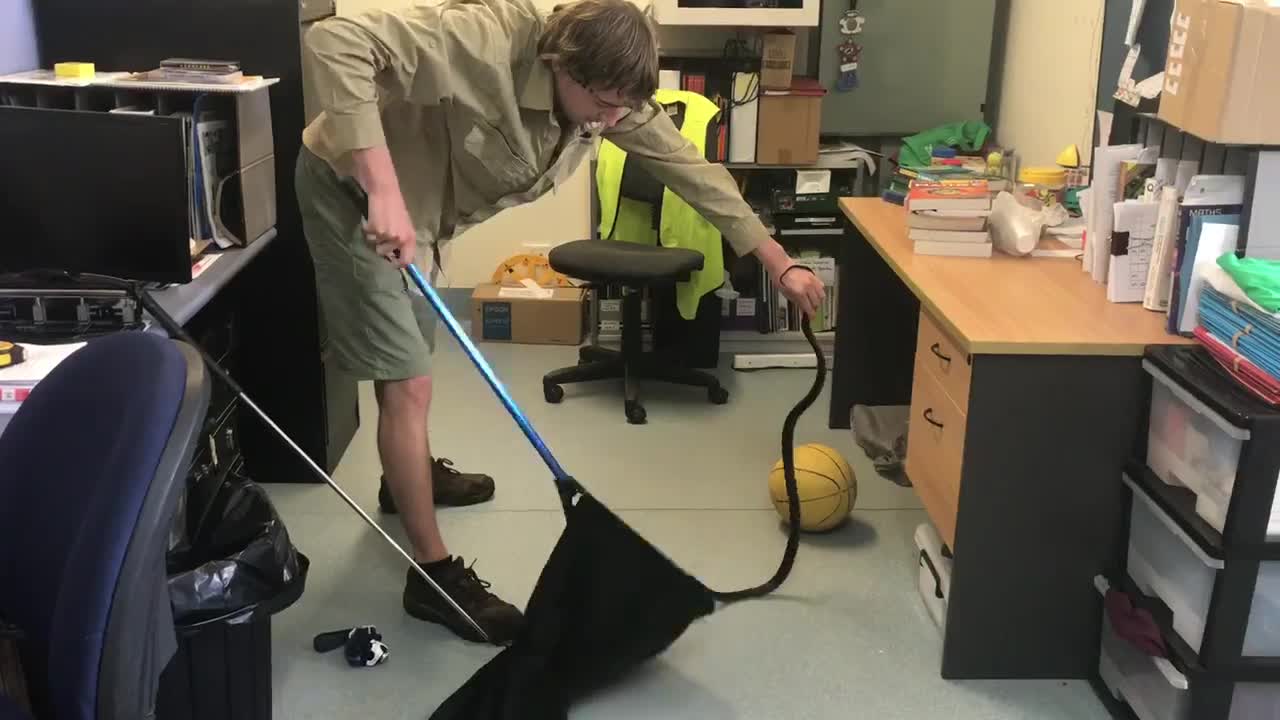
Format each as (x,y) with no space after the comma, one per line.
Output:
(445,115)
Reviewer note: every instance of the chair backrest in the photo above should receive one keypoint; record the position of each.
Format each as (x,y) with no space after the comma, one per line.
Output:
(91,470)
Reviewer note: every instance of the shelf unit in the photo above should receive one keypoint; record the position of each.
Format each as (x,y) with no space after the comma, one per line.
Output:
(134,132)
(1259,164)
(280,324)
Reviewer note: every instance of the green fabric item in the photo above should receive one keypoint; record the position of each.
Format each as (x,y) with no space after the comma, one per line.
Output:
(680,224)
(1257,277)
(917,150)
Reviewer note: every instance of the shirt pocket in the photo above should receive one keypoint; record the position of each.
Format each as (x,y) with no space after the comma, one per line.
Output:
(491,163)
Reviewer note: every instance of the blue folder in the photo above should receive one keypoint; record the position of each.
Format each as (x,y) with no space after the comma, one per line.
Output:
(1257,333)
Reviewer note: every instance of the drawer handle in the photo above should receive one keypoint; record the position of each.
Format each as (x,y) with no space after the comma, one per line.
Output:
(937,350)
(928,415)
(937,579)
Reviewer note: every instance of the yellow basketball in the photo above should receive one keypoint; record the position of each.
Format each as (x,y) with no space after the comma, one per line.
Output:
(825,484)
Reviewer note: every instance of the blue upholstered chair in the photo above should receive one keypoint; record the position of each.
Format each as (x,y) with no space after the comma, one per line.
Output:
(91,471)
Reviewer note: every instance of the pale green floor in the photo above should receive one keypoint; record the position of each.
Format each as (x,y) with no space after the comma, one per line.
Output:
(847,636)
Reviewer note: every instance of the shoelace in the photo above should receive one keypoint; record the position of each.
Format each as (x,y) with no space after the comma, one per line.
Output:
(470,582)
(446,465)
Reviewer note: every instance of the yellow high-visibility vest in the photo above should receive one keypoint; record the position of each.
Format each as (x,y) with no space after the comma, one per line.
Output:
(680,225)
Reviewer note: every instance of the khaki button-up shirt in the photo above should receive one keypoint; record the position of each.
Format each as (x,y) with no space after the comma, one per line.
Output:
(466,107)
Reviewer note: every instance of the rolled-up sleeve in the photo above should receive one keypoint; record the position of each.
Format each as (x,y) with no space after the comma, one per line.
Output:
(414,54)
(650,138)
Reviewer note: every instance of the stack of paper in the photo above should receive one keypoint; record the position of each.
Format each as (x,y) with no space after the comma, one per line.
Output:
(1105,192)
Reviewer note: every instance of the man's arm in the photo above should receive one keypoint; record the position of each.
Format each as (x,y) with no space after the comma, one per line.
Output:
(651,139)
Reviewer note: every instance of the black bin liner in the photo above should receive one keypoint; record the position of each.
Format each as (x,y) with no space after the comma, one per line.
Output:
(232,568)
(235,562)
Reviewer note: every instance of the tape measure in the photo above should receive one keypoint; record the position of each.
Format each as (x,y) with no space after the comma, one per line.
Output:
(11,354)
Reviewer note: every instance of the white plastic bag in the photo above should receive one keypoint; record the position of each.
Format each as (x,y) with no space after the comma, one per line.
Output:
(1017,220)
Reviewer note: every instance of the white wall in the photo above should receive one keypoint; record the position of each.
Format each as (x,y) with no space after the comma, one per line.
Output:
(17,37)
(1050,78)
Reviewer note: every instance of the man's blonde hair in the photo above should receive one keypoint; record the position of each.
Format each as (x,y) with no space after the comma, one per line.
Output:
(604,45)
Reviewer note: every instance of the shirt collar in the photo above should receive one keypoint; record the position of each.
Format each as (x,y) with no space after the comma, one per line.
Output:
(538,90)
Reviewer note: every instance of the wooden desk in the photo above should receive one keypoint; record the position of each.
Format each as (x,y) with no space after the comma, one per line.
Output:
(1027,395)
(1006,304)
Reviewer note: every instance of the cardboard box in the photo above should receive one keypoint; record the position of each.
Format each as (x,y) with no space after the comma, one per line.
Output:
(777,59)
(1222,71)
(789,124)
(543,316)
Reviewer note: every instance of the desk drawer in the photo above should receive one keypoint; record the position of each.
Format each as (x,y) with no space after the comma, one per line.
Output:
(943,357)
(935,450)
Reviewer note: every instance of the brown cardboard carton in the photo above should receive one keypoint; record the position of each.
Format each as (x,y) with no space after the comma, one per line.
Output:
(789,124)
(550,316)
(777,59)
(1223,70)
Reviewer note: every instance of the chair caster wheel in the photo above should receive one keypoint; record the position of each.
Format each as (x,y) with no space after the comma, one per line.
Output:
(553,393)
(718,395)
(636,414)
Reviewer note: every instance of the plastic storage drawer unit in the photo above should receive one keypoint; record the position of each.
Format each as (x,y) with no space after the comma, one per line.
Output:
(1187,443)
(1152,687)
(1200,426)
(1167,564)
(1155,689)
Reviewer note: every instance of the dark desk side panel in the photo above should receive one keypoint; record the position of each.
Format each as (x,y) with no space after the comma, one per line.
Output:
(1042,511)
(876,335)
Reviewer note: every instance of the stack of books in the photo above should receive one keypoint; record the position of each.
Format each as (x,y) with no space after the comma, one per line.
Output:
(949,217)
(905,176)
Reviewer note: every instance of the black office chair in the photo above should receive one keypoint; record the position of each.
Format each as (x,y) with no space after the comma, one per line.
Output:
(635,268)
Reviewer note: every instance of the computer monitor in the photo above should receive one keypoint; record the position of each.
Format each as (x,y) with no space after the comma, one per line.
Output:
(93,192)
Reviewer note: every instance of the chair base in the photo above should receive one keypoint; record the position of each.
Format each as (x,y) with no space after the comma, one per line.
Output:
(599,363)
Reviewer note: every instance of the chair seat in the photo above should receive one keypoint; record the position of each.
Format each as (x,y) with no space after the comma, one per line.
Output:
(624,263)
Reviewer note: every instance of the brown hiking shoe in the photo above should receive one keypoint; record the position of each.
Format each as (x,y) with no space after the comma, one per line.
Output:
(450,487)
(501,620)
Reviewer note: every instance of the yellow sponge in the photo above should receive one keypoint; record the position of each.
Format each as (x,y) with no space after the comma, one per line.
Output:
(73,70)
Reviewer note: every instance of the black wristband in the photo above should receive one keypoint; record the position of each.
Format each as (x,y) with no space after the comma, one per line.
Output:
(793,267)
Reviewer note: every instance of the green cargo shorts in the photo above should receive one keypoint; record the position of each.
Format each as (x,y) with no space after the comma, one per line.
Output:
(379,326)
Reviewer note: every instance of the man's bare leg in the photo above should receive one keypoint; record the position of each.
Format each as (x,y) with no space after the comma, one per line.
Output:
(403,406)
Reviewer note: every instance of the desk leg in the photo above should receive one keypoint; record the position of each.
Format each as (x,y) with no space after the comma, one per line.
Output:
(875,333)
(1041,512)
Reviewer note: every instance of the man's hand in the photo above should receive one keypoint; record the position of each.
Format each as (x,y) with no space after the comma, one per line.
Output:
(803,288)
(389,229)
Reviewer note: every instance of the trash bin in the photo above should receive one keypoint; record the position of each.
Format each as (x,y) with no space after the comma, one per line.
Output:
(232,566)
